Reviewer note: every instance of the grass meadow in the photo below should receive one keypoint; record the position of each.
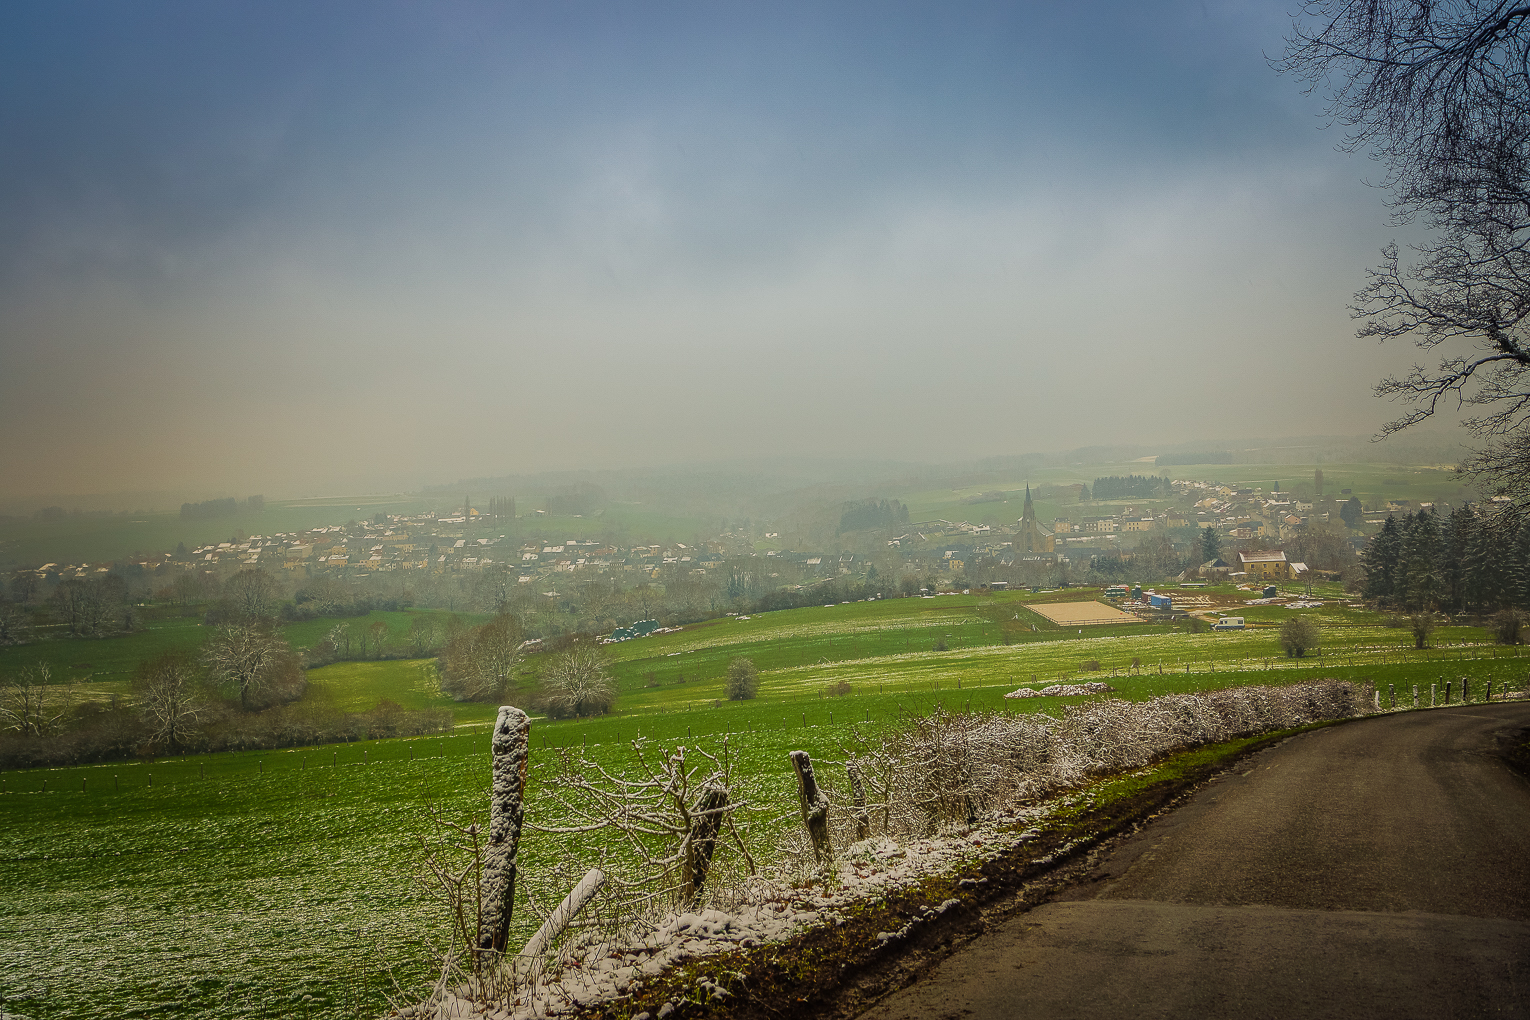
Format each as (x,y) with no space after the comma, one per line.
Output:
(280,883)
(1372,483)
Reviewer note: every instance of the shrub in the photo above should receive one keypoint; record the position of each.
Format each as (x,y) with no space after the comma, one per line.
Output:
(743,680)
(1508,627)
(1297,635)
(577,683)
(1422,625)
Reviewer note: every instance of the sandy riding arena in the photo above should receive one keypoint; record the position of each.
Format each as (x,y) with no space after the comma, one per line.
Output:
(1082,614)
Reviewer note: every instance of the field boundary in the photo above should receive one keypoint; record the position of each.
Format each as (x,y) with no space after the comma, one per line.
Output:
(837,969)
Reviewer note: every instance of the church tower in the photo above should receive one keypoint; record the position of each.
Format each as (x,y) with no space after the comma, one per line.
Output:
(1033,539)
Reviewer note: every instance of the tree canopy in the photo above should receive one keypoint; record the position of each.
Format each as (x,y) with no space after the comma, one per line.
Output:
(1439,93)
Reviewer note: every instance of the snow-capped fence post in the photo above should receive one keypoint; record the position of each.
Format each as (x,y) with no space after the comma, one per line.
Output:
(701,841)
(858,799)
(815,806)
(560,918)
(496,887)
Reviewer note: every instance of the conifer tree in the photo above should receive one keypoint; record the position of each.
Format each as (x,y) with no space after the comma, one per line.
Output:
(1381,560)
(1418,576)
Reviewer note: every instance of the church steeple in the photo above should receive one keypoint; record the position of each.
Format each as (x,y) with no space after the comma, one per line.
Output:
(1029,512)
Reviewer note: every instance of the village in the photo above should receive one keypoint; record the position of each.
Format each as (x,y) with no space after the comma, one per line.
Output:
(1253,529)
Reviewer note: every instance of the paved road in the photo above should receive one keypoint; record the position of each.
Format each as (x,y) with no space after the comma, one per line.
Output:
(1376,869)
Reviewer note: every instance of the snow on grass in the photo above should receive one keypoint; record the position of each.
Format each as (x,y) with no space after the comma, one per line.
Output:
(933,777)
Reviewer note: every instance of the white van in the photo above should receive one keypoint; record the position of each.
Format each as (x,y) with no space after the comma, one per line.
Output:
(1228,623)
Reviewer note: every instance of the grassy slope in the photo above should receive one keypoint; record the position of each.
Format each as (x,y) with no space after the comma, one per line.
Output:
(282,870)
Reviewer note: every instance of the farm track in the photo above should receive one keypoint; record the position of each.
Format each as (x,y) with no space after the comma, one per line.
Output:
(834,972)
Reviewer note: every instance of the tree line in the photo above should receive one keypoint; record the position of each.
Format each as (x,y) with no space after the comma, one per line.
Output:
(865,514)
(1476,560)
(212,509)
(1132,487)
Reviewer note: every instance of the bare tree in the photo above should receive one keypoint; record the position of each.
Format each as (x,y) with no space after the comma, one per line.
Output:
(85,606)
(31,704)
(252,659)
(170,699)
(577,683)
(1439,92)
(424,634)
(15,625)
(25,586)
(479,664)
(251,595)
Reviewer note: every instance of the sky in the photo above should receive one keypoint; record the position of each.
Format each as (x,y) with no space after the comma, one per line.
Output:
(295,248)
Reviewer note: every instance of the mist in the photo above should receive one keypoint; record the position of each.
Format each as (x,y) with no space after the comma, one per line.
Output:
(291,249)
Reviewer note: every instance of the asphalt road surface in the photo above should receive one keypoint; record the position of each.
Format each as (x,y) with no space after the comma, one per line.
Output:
(1375,869)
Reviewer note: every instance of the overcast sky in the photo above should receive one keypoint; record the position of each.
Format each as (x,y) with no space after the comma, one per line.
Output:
(313,247)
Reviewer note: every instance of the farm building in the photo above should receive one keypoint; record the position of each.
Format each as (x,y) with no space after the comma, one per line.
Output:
(1270,565)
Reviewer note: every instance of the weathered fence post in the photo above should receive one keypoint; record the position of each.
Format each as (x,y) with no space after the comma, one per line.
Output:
(815,806)
(1415,695)
(496,887)
(1432,701)
(1392,695)
(858,800)
(1488,694)
(1447,692)
(1466,690)
(559,919)
(701,841)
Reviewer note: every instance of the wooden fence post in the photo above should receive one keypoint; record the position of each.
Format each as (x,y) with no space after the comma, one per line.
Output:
(701,841)
(1447,692)
(815,806)
(496,887)
(559,919)
(858,799)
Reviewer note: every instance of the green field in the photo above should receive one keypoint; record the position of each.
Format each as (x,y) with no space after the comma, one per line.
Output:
(1372,483)
(109,662)
(278,883)
(101,538)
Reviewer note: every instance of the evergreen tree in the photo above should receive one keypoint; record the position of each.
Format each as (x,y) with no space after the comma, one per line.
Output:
(1519,570)
(1381,557)
(1500,573)
(1476,563)
(1418,575)
(1351,512)
(1455,541)
(1211,544)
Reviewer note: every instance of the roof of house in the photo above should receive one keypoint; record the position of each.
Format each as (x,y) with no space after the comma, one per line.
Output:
(1262,557)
